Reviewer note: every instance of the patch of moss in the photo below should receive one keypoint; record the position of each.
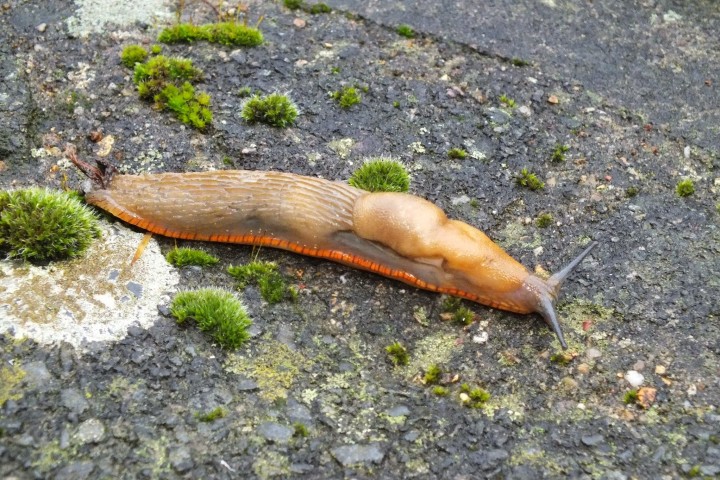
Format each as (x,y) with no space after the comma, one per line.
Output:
(631,191)
(156,49)
(212,415)
(457,153)
(405,30)
(381,175)
(346,97)
(398,354)
(396,104)
(244,92)
(432,374)
(215,311)
(685,188)
(133,54)
(529,180)
(558,154)
(293,4)
(10,378)
(440,391)
(265,275)
(694,471)
(544,220)
(319,8)
(473,397)
(562,358)
(275,109)
(507,101)
(182,257)
(458,312)
(630,397)
(519,62)
(189,107)
(38,224)
(300,430)
(224,33)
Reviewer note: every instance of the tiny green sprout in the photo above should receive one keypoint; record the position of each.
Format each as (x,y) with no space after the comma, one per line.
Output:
(275,109)
(133,54)
(318,8)
(37,225)
(224,33)
(182,257)
(694,471)
(398,354)
(717,207)
(227,161)
(396,104)
(630,397)
(300,430)
(562,358)
(215,311)
(405,31)
(464,316)
(244,92)
(293,4)
(519,62)
(346,97)
(450,304)
(529,180)
(558,154)
(267,277)
(457,153)
(381,175)
(507,101)
(544,220)
(432,374)
(474,203)
(475,397)
(156,49)
(334,70)
(212,415)
(440,391)
(685,188)
(631,191)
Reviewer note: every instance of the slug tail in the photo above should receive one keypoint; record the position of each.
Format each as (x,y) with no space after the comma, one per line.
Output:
(556,281)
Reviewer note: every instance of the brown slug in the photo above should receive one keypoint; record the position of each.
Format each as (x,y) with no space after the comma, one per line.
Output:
(397,235)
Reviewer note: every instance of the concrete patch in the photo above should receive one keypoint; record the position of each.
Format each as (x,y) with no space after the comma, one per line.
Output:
(93,15)
(90,299)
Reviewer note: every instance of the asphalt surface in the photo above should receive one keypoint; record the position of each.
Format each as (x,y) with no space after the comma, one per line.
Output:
(630,88)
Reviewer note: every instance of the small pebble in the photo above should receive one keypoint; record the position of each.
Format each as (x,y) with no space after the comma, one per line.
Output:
(634,378)
(593,353)
(639,366)
(299,23)
(584,368)
(660,369)
(43,26)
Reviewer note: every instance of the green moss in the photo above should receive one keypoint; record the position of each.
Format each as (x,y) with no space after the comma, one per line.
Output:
(215,311)
(396,104)
(458,312)
(275,109)
(685,188)
(474,397)
(212,415)
(300,430)
(630,397)
(224,33)
(244,92)
(558,154)
(694,471)
(156,49)
(631,191)
(457,153)
(529,180)
(133,54)
(319,8)
(405,31)
(265,275)
(381,175)
(519,62)
(544,220)
(182,257)
(346,97)
(440,390)
(161,70)
(37,224)
(293,4)
(10,378)
(190,108)
(432,374)
(562,358)
(504,99)
(398,354)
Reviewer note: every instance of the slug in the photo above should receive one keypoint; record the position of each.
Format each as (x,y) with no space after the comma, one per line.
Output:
(398,235)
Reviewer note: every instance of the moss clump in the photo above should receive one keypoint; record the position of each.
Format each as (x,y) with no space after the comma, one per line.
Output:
(314,9)
(37,224)
(398,354)
(632,191)
(529,180)
(453,309)
(224,33)
(562,358)
(156,49)
(133,54)
(293,4)
(473,397)
(244,92)
(381,175)
(558,154)
(319,8)
(544,220)
(432,374)
(630,397)
(212,415)
(405,31)
(10,378)
(300,430)
(182,257)
(275,109)
(685,188)
(167,82)
(440,391)
(265,275)
(519,62)
(346,97)
(457,153)
(507,101)
(215,311)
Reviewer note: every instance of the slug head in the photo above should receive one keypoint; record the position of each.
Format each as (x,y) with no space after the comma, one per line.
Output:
(543,293)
